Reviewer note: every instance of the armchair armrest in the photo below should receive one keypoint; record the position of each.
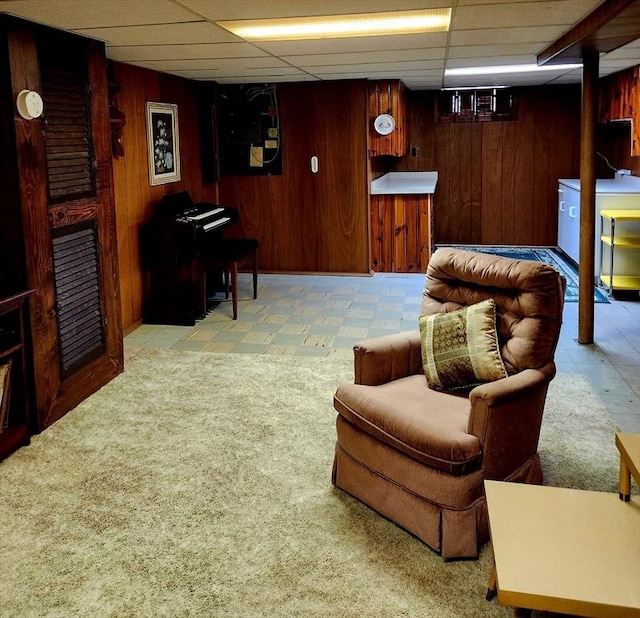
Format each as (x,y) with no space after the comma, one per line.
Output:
(506,416)
(387,358)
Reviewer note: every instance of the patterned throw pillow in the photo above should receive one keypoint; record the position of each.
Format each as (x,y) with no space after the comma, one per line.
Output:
(460,348)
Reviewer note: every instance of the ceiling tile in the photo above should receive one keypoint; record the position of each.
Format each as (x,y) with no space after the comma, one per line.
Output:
(380,75)
(476,16)
(221,64)
(425,55)
(266,79)
(245,73)
(479,61)
(523,34)
(377,67)
(75,14)
(171,52)
(493,51)
(166,34)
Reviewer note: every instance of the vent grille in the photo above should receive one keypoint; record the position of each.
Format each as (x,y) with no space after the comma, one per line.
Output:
(77,283)
(67,134)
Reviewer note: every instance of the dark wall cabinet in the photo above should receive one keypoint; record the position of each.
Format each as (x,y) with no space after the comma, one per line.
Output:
(620,100)
(388,98)
(58,236)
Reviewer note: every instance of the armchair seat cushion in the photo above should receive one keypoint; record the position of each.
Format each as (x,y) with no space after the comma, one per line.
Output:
(427,425)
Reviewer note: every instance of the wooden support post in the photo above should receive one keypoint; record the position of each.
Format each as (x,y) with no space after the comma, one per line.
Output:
(590,65)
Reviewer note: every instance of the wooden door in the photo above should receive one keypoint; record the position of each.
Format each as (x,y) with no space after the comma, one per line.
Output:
(327,208)
(68,217)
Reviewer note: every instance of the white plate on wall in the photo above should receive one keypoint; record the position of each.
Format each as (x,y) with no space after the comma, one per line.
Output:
(384,124)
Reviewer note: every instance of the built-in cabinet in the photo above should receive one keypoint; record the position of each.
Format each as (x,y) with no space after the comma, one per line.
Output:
(569,221)
(620,242)
(618,194)
(401,233)
(58,234)
(620,101)
(388,119)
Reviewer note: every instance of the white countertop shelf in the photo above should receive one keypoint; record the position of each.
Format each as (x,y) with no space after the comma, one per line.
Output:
(625,184)
(400,183)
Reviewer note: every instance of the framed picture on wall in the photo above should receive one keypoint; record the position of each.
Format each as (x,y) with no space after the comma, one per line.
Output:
(163,142)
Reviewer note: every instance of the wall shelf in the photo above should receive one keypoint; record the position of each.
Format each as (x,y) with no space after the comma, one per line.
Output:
(13,320)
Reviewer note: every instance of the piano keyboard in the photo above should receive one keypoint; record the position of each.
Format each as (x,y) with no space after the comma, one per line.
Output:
(204,215)
(208,226)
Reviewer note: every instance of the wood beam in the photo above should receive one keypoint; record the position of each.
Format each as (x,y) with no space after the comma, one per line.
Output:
(586,273)
(611,25)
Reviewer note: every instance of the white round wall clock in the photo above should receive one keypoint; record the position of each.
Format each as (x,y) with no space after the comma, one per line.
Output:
(29,104)
(384,124)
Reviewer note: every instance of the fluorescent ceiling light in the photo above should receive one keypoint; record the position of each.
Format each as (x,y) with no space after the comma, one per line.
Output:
(474,87)
(339,26)
(510,68)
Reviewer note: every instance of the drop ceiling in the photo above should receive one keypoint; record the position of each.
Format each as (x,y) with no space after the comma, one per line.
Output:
(180,37)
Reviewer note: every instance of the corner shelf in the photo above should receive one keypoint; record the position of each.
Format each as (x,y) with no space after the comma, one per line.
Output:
(13,319)
(616,241)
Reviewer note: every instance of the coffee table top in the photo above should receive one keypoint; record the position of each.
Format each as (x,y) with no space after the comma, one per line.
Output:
(565,550)
(629,446)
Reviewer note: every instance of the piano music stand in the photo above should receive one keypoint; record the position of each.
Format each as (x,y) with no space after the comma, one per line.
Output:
(227,255)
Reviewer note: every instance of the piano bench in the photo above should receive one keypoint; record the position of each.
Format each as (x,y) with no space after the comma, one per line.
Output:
(227,255)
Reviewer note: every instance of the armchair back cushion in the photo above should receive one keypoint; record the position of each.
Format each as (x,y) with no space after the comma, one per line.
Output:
(528,305)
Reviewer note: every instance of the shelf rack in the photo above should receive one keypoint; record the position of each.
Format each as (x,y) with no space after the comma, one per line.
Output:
(616,240)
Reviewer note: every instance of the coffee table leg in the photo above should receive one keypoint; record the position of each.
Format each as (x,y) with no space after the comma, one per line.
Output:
(493,584)
(625,481)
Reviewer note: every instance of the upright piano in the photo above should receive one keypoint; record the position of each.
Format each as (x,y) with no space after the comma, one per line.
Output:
(171,246)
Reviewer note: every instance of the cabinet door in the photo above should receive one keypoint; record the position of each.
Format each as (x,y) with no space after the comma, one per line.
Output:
(401,233)
(388,97)
(569,221)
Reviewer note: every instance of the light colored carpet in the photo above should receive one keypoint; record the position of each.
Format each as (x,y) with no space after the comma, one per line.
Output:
(198,484)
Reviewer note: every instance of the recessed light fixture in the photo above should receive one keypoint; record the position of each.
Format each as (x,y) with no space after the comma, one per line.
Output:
(340,26)
(509,68)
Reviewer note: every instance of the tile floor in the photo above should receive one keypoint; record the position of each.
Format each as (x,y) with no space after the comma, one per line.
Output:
(324,315)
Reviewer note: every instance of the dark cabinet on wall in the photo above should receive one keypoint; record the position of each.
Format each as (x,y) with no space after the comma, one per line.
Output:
(60,237)
(388,119)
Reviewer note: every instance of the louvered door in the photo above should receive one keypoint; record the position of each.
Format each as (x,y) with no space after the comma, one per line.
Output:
(67,133)
(70,177)
(66,192)
(78,306)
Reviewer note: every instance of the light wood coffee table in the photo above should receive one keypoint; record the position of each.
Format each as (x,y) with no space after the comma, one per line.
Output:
(565,550)
(629,446)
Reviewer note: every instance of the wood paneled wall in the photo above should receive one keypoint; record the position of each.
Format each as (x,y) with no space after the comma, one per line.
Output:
(497,181)
(135,199)
(305,221)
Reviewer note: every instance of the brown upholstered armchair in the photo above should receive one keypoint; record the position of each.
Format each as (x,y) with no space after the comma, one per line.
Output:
(419,455)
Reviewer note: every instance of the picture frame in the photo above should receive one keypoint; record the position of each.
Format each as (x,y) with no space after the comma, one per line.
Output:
(163,142)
